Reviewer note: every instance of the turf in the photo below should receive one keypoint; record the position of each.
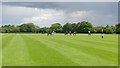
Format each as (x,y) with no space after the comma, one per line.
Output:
(59,50)
(0,50)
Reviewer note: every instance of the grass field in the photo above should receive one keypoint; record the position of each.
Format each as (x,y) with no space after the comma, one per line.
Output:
(59,50)
(0,50)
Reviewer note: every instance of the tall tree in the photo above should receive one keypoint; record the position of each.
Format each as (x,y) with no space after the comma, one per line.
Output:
(84,27)
(56,27)
(29,27)
(113,28)
(109,30)
(44,30)
(74,27)
(67,27)
(99,29)
(118,28)
(36,29)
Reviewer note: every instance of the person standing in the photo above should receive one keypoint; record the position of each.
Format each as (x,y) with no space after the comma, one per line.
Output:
(102,34)
(66,33)
(74,33)
(70,32)
(89,33)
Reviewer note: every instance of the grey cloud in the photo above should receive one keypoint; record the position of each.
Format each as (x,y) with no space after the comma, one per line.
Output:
(101,9)
(119,12)
(60,0)
(0,9)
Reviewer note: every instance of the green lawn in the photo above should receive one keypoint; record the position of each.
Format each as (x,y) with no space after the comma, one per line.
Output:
(59,50)
(0,50)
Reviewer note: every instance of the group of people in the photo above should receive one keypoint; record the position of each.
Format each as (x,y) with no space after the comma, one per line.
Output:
(50,33)
(69,33)
(102,35)
(66,33)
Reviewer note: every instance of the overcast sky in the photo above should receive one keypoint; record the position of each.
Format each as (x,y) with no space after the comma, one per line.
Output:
(47,13)
(59,0)
(0,13)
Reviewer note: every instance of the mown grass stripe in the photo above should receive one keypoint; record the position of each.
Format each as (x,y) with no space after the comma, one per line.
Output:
(106,55)
(6,40)
(87,43)
(44,55)
(16,54)
(0,50)
(67,49)
(95,44)
(93,39)
(107,37)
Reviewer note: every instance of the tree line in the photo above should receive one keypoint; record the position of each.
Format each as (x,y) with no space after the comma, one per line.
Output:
(80,27)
